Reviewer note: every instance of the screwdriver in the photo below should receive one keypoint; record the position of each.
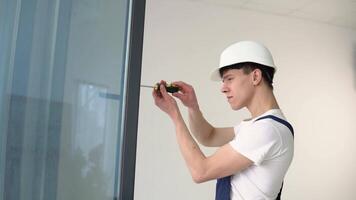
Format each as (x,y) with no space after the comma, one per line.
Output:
(171,88)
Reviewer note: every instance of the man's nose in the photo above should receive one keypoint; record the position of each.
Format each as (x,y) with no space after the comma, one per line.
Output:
(224,88)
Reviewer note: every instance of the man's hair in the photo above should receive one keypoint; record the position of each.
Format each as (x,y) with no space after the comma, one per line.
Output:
(248,67)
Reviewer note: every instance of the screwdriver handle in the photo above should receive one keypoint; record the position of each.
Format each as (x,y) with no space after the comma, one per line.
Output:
(171,88)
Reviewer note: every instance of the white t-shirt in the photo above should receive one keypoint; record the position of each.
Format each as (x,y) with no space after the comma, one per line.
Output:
(269,144)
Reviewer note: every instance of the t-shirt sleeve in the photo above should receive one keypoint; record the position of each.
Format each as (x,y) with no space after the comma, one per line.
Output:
(257,142)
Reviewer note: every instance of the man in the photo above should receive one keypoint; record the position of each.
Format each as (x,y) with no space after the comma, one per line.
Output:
(255,155)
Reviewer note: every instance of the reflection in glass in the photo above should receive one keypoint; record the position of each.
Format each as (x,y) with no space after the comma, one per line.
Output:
(61,88)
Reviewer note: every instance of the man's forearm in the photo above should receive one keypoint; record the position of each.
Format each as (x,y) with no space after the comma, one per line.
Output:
(200,128)
(190,150)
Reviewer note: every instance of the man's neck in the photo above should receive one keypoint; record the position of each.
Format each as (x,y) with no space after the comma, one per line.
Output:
(262,102)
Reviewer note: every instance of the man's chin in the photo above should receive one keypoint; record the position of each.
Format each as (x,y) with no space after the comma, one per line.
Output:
(235,107)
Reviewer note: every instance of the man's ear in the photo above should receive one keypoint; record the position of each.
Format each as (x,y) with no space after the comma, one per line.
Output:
(256,76)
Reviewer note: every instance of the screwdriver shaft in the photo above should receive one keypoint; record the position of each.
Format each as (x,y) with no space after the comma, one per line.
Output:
(147,86)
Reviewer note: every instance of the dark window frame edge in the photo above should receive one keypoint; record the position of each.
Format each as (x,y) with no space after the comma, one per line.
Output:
(129,142)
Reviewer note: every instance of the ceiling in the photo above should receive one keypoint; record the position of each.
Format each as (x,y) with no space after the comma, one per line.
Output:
(334,12)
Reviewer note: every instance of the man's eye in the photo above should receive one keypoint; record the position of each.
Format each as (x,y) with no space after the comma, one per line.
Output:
(227,79)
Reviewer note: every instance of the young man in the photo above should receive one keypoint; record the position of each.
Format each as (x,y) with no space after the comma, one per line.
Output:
(254,155)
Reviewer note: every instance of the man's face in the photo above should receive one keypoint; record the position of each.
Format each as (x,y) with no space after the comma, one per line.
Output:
(237,87)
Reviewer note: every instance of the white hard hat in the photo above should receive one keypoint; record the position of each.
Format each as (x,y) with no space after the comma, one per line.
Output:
(244,51)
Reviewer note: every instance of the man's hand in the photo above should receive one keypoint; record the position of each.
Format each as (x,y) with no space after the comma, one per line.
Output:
(165,101)
(186,94)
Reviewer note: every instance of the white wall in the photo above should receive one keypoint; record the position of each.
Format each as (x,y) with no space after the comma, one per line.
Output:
(315,85)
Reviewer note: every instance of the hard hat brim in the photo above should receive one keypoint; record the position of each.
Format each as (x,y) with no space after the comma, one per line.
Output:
(215,75)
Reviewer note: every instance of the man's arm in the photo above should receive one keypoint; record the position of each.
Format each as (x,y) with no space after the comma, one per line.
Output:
(224,162)
(204,132)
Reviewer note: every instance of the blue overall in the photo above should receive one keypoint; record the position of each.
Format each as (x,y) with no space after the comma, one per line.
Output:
(223,185)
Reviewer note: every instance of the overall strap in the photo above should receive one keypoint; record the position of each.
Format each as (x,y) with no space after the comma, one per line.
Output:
(287,124)
(223,188)
(282,121)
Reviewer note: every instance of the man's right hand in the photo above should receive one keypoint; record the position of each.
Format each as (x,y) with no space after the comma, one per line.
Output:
(186,94)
